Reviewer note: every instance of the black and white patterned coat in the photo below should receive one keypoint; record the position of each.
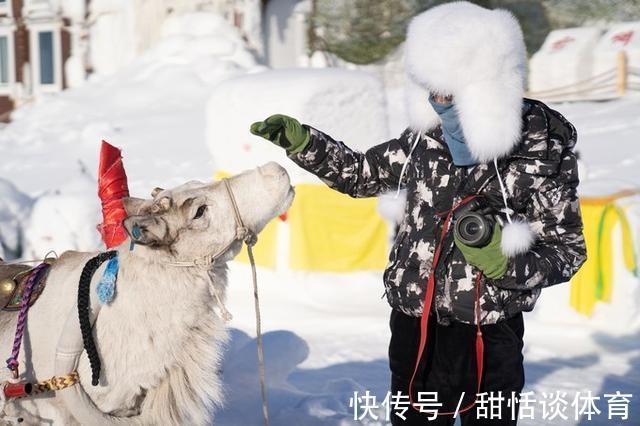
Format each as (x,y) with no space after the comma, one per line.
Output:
(541,178)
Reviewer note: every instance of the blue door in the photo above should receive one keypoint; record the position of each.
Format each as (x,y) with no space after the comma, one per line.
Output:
(45,41)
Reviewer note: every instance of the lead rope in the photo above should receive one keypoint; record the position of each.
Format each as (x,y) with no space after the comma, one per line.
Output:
(261,368)
(250,240)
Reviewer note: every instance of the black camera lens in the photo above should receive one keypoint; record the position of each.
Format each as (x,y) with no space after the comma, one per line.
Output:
(473,229)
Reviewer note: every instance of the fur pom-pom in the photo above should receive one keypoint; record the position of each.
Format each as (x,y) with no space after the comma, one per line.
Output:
(517,238)
(392,208)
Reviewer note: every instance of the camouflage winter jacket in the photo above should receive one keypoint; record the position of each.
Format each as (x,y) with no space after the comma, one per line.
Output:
(541,177)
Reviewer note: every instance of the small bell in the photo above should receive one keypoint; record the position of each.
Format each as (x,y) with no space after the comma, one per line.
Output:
(7,287)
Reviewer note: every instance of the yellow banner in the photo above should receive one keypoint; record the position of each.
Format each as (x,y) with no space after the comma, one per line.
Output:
(594,280)
(332,232)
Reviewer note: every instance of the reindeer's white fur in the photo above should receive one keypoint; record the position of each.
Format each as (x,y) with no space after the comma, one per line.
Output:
(478,56)
(161,339)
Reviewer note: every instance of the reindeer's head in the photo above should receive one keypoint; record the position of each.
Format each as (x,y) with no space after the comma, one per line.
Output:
(196,220)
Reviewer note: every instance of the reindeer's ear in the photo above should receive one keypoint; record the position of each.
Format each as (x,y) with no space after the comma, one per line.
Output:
(156,191)
(165,203)
(133,206)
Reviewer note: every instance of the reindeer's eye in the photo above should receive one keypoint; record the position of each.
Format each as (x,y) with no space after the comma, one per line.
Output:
(200,212)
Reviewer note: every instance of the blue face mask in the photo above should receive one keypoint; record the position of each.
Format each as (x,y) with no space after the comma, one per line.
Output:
(452,132)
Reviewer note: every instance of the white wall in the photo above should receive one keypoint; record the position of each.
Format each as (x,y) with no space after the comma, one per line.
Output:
(285,32)
(112,35)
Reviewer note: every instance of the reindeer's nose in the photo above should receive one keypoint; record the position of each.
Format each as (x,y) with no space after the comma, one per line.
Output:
(273,169)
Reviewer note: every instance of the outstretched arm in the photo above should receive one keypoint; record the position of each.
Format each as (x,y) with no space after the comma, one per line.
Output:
(351,172)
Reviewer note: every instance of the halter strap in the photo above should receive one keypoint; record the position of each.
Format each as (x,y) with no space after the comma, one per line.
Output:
(243,234)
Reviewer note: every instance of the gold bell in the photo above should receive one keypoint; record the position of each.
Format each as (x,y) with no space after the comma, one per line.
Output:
(7,287)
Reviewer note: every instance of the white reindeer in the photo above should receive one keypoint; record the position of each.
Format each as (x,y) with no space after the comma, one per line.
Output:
(161,339)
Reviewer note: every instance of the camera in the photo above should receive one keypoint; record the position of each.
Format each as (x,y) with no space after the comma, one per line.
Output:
(473,224)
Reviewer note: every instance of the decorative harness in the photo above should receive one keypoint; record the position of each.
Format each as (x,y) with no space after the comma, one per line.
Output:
(27,287)
(243,233)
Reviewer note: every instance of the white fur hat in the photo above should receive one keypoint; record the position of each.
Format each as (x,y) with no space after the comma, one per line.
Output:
(478,56)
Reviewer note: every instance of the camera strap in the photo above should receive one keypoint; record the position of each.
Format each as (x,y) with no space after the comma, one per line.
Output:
(424,319)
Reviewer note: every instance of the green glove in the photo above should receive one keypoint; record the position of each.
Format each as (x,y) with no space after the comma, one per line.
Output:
(284,131)
(489,259)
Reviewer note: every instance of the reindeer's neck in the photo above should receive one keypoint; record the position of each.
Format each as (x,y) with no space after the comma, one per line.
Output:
(163,319)
(162,291)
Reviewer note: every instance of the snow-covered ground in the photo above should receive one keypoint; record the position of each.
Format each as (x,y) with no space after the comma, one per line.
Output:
(326,334)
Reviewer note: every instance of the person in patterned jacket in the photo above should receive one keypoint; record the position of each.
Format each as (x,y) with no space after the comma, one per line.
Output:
(473,134)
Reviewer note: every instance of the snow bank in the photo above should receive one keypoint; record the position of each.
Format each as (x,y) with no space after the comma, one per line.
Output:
(349,105)
(15,207)
(153,109)
(565,58)
(620,37)
(64,221)
(124,29)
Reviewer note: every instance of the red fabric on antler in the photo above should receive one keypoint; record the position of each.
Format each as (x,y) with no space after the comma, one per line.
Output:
(112,188)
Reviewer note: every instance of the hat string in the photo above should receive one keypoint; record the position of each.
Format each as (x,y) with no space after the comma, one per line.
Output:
(406,163)
(503,190)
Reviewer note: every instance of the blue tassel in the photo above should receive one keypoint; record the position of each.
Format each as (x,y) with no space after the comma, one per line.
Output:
(136,232)
(107,285)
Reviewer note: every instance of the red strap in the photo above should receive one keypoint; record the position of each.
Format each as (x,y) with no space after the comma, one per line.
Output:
(424,319)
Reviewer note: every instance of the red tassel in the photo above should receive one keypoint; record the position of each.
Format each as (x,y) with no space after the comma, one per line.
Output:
(112,188)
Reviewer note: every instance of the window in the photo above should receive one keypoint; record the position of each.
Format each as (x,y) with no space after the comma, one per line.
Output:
(4,60)
(45,56)
(47,66)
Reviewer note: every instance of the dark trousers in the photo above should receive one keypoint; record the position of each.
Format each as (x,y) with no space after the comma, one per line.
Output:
(448,367)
